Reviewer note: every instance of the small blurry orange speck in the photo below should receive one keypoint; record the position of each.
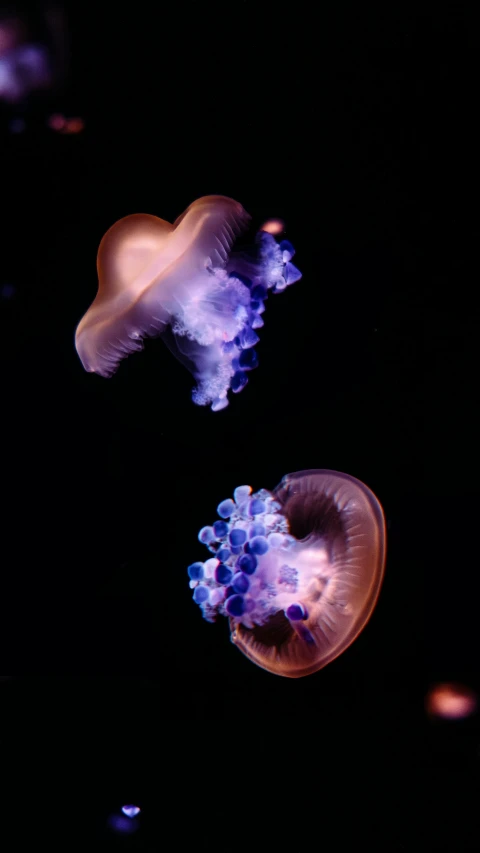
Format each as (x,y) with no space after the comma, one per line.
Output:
(74,125)
(273,226)
(450,701)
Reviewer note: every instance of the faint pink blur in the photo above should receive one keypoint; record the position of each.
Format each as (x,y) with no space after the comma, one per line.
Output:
(11,34)
(57,122)
(450,701)
(74,125)
(273,226)
(61,124)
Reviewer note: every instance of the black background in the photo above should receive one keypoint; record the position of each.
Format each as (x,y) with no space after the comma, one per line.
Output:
(316,118)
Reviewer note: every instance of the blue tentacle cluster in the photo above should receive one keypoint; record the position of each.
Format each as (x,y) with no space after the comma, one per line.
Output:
(249,577)
(226,320)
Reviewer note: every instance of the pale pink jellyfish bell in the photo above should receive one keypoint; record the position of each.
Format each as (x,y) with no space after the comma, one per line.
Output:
(297,571)
(187,283)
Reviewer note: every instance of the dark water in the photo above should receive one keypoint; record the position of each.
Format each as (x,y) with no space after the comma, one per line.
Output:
(363,369)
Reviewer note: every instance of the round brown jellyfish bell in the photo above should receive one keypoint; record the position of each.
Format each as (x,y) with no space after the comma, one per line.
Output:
(189,284)
(297,571)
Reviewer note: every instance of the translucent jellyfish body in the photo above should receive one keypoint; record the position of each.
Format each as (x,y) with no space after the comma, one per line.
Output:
(297,571)
(189,284)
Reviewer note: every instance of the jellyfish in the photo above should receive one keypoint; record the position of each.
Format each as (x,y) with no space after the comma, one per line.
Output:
(189,283)
(296,571)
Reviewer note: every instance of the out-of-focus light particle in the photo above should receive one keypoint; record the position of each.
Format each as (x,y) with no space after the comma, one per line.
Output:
(57,122)
(451,701)
(130,811)
(273,226)
(74,125)
(7,290)
(122,824)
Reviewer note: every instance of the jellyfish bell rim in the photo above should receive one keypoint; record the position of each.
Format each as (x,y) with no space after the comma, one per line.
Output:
(241,636)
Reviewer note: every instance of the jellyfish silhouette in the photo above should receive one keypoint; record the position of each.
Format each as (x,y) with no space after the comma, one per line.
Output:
(297,571)
(187,283)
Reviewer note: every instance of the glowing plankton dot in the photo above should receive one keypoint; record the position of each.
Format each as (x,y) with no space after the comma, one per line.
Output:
(451,701)
(130,811)
(273,226)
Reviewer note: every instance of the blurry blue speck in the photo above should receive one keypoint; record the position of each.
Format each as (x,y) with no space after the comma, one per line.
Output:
(130,811)
(17,125)
(122,824)
(7,291)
